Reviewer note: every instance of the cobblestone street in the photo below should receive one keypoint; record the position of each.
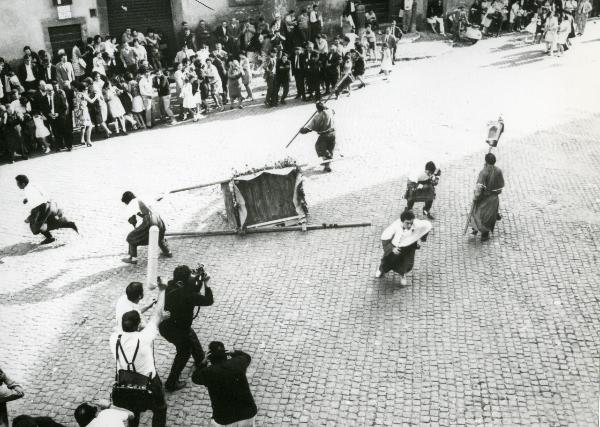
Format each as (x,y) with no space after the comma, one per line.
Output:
(497,333)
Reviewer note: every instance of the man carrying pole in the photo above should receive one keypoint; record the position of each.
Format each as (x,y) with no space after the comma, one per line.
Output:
(322,123)
(140,235)
(486,201)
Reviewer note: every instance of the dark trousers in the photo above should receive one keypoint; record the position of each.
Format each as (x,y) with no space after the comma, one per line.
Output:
(162,244)
(270,89)
(299,77)
(159,406)
(285,84)
(427,207)
(59,130)
(186,343)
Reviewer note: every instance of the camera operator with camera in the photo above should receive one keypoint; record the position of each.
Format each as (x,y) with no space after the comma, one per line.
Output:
(421,188)
(183,298)
(225,378)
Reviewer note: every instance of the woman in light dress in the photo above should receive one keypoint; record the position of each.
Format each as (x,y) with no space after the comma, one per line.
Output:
(551,30)
(564,28)
(246,75)
(531,28)
(98,64)
(77,61)
(100,115)
(115,106)
(188,98)
(41,131)
(386,61)
(81,114)
(137,103)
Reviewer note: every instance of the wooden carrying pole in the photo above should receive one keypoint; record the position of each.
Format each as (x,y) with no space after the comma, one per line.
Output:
(267,230)
(152,258)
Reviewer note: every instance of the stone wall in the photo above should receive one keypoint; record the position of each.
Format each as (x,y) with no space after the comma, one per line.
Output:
(26,23)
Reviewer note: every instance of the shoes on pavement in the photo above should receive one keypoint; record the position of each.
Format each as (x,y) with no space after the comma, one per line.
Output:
(378,274)
(474,232)
(174,387)
(485,237)
(47,241)
(130,260)
(167,255)
(403,281)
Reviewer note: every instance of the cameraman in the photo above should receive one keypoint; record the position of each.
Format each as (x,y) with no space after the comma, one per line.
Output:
(181,299)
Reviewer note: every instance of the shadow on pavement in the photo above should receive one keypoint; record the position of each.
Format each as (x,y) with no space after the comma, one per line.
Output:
(20,249)
(518,59)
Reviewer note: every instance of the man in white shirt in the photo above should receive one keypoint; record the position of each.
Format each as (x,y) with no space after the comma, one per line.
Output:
(130,301)
(102,415)
(44,215)
(147,93)
(123,346)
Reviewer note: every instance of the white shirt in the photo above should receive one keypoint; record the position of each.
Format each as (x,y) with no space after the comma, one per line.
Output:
(34,196)
(30,77)
(146,88)
(123,306)
(395,232)
(144,361)
(111,417)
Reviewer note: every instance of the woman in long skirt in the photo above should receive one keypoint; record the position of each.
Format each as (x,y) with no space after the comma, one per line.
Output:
(400,241)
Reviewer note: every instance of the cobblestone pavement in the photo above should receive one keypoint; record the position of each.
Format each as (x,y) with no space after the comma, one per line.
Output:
(501,333)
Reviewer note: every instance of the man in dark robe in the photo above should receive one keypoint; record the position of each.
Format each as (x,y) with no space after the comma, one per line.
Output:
(45,216)
(141,233)
(486,201)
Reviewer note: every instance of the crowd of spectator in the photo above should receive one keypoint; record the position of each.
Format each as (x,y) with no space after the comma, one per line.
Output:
(551,21)
(111,85)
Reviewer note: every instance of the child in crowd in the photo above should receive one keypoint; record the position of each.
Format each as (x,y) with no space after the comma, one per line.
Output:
(41,131)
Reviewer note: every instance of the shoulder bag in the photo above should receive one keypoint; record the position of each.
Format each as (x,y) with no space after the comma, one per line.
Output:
(131,389)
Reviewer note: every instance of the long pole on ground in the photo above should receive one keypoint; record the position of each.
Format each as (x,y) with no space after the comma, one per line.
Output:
(267,230)
(152,258)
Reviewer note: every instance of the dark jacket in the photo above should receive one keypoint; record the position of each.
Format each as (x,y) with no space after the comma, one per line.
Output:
(60,105)
(42,73)
(228,388)
(301,68)
(282,70)
(181,301)
(161,83)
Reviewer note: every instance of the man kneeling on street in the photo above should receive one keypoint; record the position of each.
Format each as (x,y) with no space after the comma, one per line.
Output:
(182,297)
(225,379)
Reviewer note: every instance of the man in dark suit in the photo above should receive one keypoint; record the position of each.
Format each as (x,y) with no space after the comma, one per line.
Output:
(299,72)
(54,106)
(332,63)
(36,98)
(282,77)
(221,32)
(46,71)
(27,74)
